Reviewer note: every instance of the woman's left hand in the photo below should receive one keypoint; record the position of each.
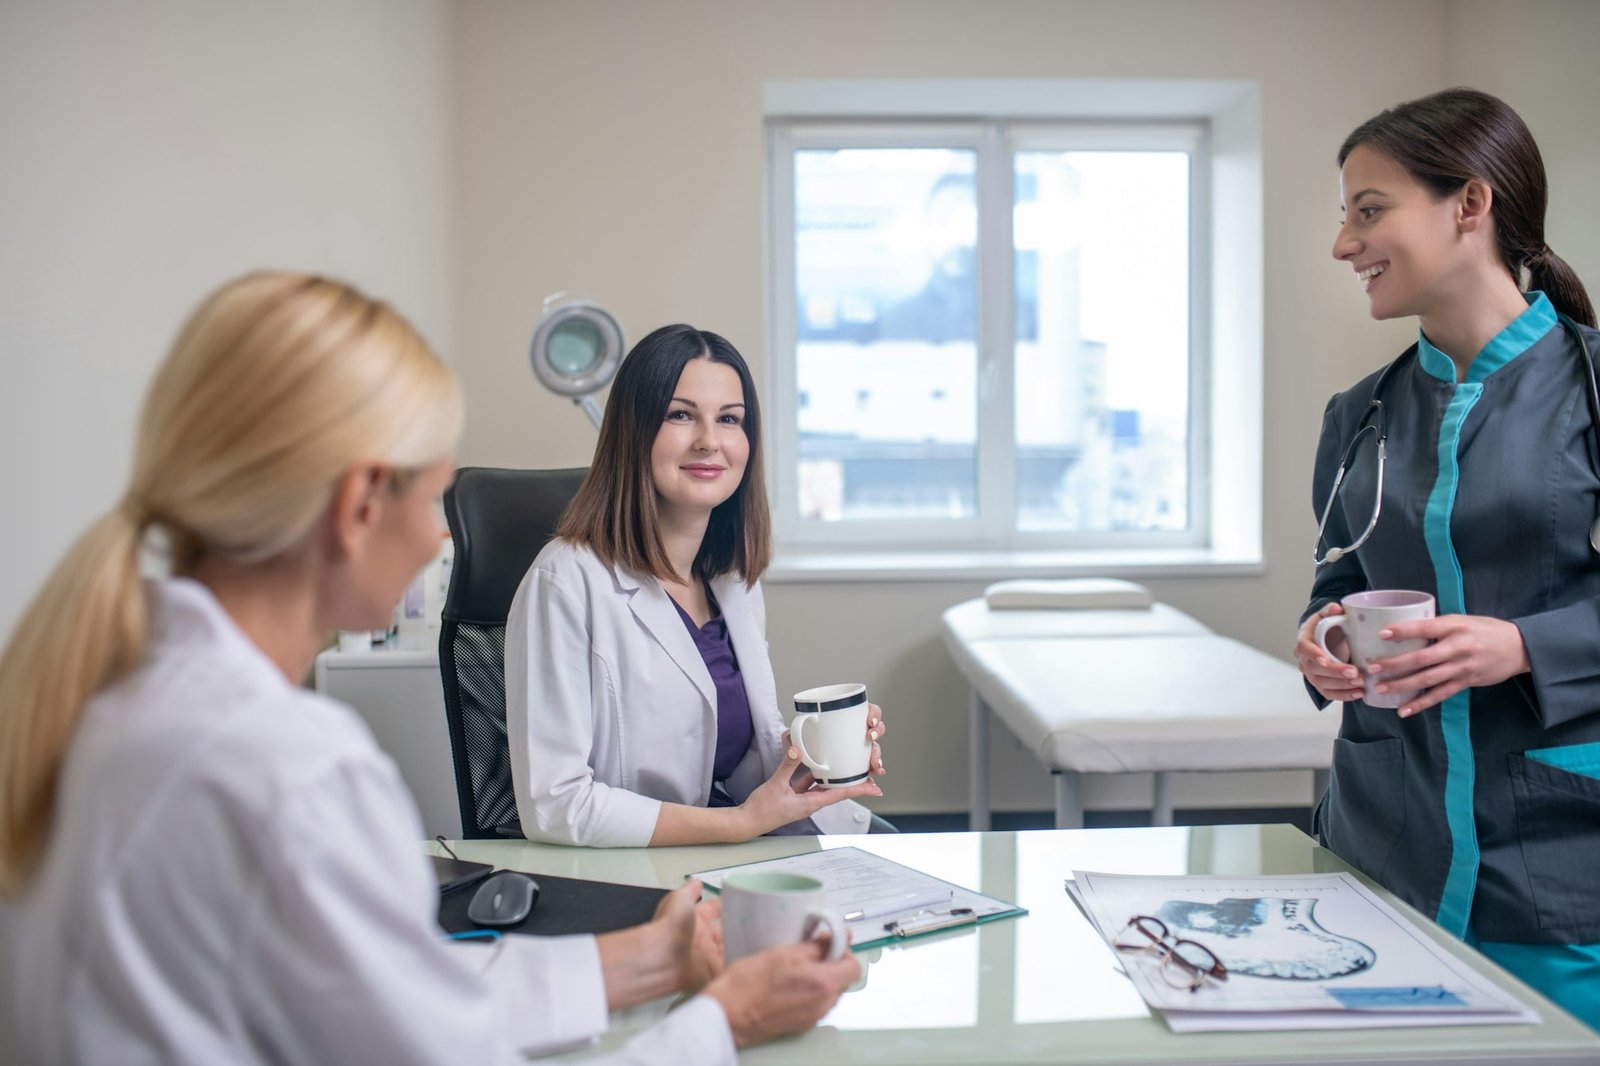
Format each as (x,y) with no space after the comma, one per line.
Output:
(1468,651)
(692,927)
(875,731)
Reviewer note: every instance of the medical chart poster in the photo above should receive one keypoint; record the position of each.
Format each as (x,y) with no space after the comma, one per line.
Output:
(1312,942)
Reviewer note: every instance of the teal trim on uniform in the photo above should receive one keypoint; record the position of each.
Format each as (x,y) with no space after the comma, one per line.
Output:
(1569,974)
(1461,883)
(1432,360)
(1442,502)
(1455,903)
(1576,758)
(1523,333)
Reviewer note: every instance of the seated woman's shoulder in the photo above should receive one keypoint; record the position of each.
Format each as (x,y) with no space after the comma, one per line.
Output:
(565,562)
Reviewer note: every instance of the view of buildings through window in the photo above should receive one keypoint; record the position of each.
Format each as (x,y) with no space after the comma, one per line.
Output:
(888,292)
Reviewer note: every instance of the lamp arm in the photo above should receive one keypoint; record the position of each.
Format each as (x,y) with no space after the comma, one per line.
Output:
(590,408)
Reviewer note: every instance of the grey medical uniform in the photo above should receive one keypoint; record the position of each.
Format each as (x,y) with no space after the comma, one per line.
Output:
(1485,810)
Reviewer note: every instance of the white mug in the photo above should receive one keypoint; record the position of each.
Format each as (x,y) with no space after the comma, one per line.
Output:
(1365,615)
(830,730)
(764,909)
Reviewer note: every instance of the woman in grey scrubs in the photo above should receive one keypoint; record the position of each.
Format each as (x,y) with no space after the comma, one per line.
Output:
(1478,799)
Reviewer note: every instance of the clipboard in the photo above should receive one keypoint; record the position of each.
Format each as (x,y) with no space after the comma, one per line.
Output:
(882,901)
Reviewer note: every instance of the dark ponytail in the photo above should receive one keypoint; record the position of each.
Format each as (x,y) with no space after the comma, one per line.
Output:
(1449,138)
(1550,274)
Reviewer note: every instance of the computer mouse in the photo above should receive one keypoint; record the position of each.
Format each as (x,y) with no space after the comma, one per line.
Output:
(506,898)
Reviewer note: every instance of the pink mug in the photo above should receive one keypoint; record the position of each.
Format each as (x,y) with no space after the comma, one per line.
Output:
(1365,615)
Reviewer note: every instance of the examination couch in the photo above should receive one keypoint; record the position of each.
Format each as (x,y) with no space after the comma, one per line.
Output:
(1094,677)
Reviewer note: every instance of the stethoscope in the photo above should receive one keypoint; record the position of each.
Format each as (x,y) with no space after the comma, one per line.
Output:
(1374,421)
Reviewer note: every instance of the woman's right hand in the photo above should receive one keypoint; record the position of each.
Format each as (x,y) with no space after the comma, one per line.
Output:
(1337,679)
(781,990)
(791,794)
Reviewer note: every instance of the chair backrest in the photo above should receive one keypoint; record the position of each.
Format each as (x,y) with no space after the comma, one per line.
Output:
(499,520)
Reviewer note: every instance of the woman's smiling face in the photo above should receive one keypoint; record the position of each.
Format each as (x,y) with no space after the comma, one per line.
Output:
(701,449)
(1401,240)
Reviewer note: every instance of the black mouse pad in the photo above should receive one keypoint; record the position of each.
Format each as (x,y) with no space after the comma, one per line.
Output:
(458,873)
(566,905)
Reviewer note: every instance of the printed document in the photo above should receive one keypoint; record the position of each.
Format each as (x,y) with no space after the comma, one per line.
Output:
(1300,951)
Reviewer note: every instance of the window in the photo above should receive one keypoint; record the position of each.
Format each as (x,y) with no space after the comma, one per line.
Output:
(990,334)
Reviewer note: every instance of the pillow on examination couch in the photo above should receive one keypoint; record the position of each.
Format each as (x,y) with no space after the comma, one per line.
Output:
(1084,593)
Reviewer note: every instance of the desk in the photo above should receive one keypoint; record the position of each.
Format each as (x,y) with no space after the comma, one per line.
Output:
(1045,988)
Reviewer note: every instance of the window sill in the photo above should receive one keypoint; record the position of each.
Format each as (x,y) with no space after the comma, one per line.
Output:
(800,566)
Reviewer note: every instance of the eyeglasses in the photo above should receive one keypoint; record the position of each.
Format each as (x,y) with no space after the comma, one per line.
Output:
(1373,434)
(1184,963)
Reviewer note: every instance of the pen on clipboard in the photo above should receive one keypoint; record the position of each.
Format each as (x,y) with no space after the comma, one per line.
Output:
(933,922)
(913,901)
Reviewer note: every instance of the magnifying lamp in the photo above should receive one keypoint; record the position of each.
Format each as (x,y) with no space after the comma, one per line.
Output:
(575,351)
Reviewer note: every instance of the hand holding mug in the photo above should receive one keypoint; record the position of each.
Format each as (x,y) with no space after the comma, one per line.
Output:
(1367,616)
(693,925)
(831,731)
(781,990)
(791,795)
(1458,652)
(788,954)
(876,728)
(1328,670)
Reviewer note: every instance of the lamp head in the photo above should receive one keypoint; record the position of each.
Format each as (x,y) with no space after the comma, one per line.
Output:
(576,349)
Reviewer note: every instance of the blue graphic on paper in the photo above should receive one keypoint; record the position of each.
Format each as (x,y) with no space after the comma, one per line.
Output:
(1406,998)
(1268,937)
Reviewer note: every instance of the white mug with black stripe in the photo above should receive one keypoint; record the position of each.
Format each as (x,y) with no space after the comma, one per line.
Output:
(830,732)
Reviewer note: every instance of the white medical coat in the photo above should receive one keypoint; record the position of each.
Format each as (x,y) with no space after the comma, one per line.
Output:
(236,875)
(610,710)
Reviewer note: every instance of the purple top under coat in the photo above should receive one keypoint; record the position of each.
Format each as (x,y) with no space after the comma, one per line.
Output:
(735,730)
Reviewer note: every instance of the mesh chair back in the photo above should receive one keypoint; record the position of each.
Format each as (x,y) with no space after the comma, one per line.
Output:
(499,520)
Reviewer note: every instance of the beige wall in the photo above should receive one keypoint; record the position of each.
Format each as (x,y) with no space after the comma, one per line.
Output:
(1540,58)
(467,159)
(149,151)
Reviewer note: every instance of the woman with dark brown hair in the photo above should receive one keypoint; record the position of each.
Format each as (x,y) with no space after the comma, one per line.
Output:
(1477,798)
(640,703)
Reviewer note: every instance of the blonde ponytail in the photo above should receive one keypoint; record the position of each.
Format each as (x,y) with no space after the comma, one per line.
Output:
(84,628)
(276,385)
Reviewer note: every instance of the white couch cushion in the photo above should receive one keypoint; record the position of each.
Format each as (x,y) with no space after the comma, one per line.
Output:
(1080,593)
(1155,703)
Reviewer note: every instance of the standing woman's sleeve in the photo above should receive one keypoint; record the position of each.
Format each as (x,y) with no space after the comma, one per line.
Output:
(1332,581)
(1563,647)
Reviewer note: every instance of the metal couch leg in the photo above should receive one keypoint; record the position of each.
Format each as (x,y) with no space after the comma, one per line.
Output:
(1069,799)
(1161,806)
(978,764)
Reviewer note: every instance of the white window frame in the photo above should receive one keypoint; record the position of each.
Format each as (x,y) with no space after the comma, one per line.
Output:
(1218,124)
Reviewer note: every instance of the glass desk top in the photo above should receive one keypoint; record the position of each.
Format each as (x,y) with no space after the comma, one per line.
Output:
(1044,988)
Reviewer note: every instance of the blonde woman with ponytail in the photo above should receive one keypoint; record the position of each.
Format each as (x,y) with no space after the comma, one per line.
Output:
(201,861)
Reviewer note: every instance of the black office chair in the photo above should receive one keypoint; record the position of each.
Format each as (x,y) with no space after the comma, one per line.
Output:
(500,520)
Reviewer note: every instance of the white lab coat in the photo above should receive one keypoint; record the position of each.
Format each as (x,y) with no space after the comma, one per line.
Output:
(236,875)
(610,709)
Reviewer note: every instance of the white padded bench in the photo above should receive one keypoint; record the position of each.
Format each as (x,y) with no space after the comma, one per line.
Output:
(1128,690)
